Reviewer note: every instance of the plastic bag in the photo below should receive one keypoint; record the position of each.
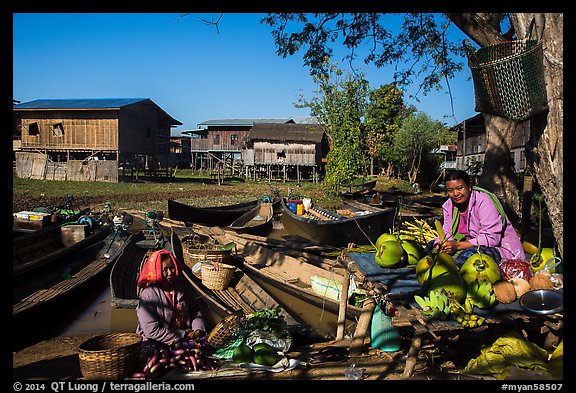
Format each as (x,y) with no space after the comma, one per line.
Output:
(383,335)
(260,336)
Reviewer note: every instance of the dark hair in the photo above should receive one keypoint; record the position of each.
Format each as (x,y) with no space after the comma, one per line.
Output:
(457,174)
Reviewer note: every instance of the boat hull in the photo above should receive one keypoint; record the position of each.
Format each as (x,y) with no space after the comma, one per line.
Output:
(243,294)
(214,216)
(339,231)
(33,251)
(73,271)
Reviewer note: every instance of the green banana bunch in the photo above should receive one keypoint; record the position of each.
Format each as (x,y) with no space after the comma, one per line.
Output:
(481,294)
(436,305)
(464,314)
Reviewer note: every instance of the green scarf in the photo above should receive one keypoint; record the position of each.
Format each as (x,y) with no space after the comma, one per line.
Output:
(456,215)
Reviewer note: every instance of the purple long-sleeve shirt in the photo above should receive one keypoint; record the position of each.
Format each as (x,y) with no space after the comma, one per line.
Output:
(485,226)
(155,311)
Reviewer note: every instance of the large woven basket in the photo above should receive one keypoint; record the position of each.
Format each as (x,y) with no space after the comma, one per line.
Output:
(509,78)
(217,275)
(194,255)
(225,329)
(109,356)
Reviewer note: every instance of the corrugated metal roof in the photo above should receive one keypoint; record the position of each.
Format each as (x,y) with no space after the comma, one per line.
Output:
(243,122)
(78,103)
(89,103)
(287,132)
(305,120)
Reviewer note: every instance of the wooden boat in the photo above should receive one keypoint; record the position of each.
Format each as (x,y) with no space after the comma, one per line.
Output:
(361,227)
(360,185)
(35,250)
(258,220)
(74,270)
(26,222)
(243,295)
(214,216)
(297,285)
(124,290)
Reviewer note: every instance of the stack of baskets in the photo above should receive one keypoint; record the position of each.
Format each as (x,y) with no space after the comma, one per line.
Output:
(216,273)
(225,329)
(109,356)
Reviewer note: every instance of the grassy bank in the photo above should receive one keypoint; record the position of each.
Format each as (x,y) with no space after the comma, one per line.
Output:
(153,195)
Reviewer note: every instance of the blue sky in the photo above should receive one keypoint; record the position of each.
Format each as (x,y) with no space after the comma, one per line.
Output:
(188,68)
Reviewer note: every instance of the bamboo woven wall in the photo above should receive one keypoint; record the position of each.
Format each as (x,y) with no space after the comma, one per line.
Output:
(81,130)
(295,153)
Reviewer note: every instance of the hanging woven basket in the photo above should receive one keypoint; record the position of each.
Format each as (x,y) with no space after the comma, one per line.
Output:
(509,78)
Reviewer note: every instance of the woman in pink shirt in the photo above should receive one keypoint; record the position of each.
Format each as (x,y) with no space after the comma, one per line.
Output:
(474,221)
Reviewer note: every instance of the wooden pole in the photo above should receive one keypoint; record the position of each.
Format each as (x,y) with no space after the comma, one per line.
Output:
(342,309)
(357,345)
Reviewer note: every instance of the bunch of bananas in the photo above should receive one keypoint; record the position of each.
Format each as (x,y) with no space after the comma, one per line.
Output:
(481,294)
(464,315)
(436,305)
(419,230)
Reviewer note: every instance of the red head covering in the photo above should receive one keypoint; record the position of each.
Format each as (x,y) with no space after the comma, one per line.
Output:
(152,271)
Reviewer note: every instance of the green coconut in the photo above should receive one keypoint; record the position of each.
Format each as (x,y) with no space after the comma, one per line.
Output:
(385,237)
(480,267)
(414,250)
(391,254)
(441,274)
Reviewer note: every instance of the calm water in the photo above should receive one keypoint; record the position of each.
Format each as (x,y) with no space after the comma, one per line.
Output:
(87,312)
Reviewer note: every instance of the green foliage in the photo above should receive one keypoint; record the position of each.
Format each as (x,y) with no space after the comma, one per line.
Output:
(383,117)
(418,135)
(423,43)
(268,320)
(340,105)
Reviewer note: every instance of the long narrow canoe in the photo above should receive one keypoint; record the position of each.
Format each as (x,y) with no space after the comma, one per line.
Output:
(258,220)
(30,252)
(330,228)
(22,225)
(213,216)
(72,271)
(305,290)
(243,295)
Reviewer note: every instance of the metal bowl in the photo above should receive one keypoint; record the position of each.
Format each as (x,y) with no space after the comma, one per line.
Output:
(542,301)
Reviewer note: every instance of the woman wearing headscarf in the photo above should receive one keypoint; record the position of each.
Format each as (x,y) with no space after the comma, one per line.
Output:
(167,312)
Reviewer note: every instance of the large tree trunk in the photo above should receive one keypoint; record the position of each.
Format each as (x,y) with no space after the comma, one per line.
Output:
(498,172)
(545,150)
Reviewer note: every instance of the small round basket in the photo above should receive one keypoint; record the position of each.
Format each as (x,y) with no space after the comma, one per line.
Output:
(109,356)
(217,275)
(225,329)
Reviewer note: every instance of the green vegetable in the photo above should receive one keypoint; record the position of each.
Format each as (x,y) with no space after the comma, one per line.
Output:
(268,320)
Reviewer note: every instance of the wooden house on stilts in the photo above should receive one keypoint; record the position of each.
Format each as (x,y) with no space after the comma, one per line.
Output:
(90,139)
(285,151)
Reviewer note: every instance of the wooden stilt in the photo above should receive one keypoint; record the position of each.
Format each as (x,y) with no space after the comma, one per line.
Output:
(412,356)
(357,345)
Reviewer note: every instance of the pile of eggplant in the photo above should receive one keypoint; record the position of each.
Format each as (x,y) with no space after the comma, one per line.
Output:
(189,355)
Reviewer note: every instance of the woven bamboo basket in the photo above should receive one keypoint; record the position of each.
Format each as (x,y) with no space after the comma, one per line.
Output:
(509,78)
(195,255)
(225,329)
(109,356)
(216,275)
